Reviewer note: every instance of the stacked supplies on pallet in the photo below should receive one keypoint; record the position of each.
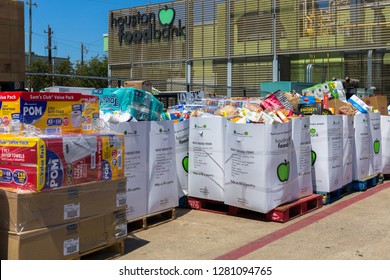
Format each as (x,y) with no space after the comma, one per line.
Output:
(56,177)
(150,162)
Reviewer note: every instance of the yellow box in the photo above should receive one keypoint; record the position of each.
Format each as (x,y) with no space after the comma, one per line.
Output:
(112,156)
(90,113)
(52,113)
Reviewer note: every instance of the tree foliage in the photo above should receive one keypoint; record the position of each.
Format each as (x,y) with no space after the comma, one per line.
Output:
(95,67)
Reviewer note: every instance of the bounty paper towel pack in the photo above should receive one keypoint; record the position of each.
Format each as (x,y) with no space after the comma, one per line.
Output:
(43,163)
(52,113)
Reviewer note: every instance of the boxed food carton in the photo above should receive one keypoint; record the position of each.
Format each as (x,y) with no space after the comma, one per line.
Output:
(27,210)
(50,243)
(51,113)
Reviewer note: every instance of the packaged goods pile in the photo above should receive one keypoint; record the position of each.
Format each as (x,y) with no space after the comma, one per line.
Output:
(62,185)
(80,167)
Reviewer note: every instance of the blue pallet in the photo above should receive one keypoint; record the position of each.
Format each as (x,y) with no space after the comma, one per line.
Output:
(364,184)
(330,197)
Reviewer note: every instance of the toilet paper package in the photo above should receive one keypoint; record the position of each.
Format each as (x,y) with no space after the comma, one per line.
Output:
(50,162)
(50,112)
(90,113)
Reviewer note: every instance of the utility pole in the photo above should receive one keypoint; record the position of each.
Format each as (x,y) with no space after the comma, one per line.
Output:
(83,50)
(49,47)
(30,35)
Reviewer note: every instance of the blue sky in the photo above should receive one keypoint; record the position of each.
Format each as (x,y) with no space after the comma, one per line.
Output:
(73,22)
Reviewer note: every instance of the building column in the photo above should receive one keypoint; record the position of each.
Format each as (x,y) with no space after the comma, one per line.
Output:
(229,78)
(188,75)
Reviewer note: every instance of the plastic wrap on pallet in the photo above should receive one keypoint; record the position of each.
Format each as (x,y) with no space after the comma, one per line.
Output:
(142,105)
(385,144)
(50,162)
(52,112)
(258,166)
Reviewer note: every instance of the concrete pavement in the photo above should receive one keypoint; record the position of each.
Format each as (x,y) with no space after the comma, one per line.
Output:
(356,227)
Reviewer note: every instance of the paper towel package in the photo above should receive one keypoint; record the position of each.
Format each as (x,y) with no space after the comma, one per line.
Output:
(207,158)
(327,152)
(90,113)
(44,163)
(385,131)
(51,113)
(135,166)
(258,166)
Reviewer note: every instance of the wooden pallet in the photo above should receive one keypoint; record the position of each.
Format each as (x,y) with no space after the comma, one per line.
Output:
(282,213)
(330,197)
(364,183)
(151,220)
(106,252)
(295,209)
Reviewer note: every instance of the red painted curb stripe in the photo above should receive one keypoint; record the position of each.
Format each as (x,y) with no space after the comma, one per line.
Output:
(273,236)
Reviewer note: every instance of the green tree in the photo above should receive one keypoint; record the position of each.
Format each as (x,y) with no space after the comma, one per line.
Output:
(95,67)
(39,82)
(65,67)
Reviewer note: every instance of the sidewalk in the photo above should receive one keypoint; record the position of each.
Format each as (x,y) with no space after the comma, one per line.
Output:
(356,227)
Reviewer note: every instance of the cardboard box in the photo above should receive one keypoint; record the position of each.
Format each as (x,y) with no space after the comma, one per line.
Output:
(26,210)
(144,85)
(258,167)
(136,166)
(362,147)
(162,183)
(327,152)
(45,163)
(207,158)
(102,230)
(378,102)
(52,243)
(385,145)
(336,104)
(52,113)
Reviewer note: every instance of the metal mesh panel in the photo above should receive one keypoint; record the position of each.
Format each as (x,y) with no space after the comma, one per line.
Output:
(248,73)
(314,25)
(251,27)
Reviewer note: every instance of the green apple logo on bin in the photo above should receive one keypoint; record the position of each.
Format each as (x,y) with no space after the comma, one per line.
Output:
(283,171)
(313,157)
(184,163)
(377,146)
(166,16)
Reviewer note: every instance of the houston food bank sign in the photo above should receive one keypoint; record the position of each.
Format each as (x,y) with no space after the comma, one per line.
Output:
(147,30)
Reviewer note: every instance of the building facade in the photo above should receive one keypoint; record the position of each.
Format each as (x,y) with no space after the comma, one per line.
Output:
(229,47)
(12,72)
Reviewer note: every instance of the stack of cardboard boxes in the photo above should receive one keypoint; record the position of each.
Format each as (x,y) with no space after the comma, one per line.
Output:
(62,185)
